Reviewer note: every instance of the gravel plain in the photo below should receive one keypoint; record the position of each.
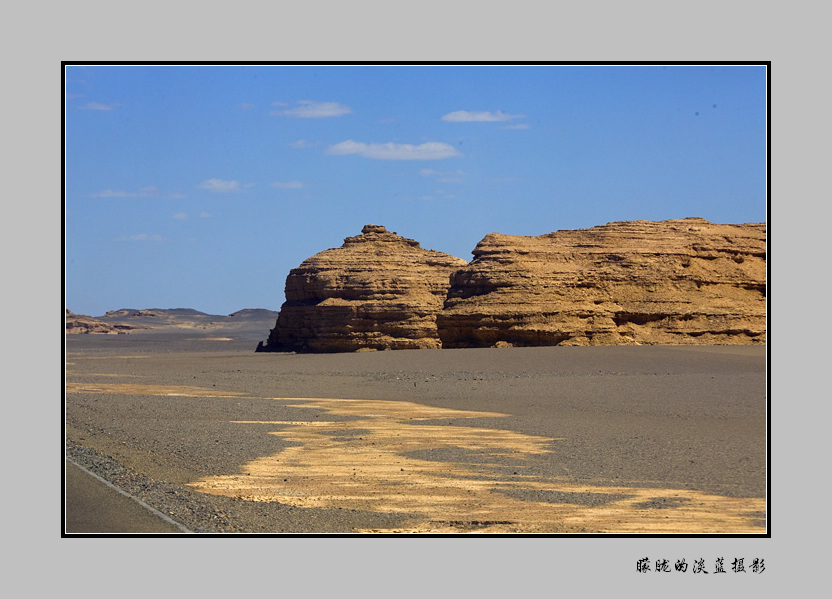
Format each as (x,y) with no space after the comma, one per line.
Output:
(550,440)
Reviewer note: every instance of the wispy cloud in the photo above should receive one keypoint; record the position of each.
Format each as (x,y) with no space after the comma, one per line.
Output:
(443,177)
(287,184)
(467,116)
(98,106)
(223,186)
(141,237)
(301,144)
(245,106)
(432,150)
(516,126)
(309,109)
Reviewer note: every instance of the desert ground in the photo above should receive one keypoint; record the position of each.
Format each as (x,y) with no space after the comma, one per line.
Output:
(548,440)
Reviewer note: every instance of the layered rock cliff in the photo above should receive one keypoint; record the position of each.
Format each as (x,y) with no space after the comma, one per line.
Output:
(377,291)
(684,281)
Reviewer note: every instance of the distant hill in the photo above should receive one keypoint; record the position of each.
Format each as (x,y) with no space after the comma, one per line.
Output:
(253,313)
(165,312)
(130,320)
(80,324)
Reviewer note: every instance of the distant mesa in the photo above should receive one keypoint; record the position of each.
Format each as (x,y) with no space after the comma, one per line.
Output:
(377,291)
(684,281)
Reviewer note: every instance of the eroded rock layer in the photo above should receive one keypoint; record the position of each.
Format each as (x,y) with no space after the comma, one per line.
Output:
(684,281)
(377,291)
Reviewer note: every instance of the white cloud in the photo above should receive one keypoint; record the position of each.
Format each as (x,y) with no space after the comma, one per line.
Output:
(309,109)
(301,144)
(98,106)
(466,116)
(432,150)
(221,186)
(516,126)
(287,184)
(204,215)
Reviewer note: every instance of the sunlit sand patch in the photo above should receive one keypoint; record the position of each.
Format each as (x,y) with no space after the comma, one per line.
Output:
(365,463)
(76,360)
(137,389)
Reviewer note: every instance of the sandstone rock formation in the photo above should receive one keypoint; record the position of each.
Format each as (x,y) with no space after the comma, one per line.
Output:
(684,281)
(377,291)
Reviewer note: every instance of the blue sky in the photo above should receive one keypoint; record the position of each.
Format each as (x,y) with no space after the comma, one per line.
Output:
(202,186)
